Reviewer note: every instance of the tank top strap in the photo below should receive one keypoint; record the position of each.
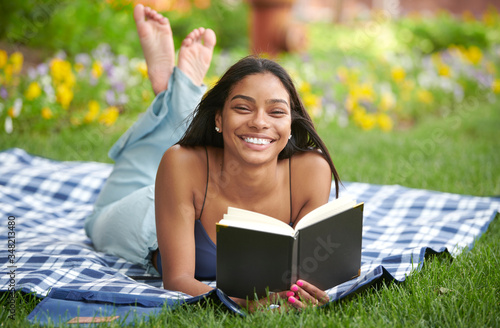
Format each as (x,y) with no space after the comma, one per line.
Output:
(292,222)
(206,187)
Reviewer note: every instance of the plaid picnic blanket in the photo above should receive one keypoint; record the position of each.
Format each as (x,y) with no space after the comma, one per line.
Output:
(43,204)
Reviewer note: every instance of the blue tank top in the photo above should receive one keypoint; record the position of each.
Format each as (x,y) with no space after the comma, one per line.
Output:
(206,250)
(206,254)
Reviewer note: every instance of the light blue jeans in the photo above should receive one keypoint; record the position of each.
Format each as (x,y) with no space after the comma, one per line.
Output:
(123,220)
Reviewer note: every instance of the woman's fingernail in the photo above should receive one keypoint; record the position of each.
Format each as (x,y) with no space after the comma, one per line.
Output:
(288,294)
(300,283)
(292,300)
(295,288)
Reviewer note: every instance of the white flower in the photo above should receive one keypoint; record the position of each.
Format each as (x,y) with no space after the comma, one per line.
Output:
(8,125)
(18,105)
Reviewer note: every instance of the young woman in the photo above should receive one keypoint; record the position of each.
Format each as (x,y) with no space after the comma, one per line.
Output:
(249,144)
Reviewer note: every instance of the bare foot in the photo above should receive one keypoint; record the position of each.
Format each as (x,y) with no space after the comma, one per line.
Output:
(157,44)
(195,54)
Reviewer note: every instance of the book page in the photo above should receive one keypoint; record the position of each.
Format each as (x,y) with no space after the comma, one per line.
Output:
(325,211)
(237,217)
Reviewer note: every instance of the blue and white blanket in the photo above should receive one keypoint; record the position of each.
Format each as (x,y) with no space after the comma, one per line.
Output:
(43,204)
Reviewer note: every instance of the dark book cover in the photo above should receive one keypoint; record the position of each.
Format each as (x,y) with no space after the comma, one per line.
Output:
(329,252)
(251,262)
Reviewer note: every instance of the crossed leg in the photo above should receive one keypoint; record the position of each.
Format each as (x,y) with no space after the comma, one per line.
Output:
(138,152)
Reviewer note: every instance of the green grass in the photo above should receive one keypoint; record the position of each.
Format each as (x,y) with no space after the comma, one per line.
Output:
(457,153)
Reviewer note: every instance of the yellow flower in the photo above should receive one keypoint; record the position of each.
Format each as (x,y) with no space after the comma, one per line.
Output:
(143,69)
(363,119)
(61,72)
(8,71)
(3,58)
(211,81)
(398,74)
(17,62)
(64,95)
(362,92)
(425,96)
(79,67)
(305,87)
(351,103)
(311,100)
(384,121)
(444,70)
(109,116)
(495,86)
(34,91)
(15,110)
(473,55)
(312,103)
(93,112)
(47,113)
(97,69)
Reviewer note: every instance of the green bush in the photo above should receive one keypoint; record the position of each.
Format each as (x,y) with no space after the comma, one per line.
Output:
(438,33)
(80,26)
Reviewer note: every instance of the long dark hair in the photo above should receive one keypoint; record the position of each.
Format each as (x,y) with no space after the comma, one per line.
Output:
(201,131)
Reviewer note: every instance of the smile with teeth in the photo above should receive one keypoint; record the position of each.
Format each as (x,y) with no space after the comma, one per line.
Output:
(257,141)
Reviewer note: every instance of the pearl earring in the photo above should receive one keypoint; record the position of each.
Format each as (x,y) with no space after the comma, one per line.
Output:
(289,137)
(217,129)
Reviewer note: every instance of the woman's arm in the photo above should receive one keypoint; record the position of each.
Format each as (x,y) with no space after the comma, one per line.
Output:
(175,214)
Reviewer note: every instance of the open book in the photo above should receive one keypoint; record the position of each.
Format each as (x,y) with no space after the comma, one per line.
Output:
(257,253)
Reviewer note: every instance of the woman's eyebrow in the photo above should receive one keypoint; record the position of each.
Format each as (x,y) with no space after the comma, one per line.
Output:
(275,101)
(244,97)
(269,101)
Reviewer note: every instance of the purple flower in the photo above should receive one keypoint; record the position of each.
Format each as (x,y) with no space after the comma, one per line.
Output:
(110,98)
(119,86)
(83,59)
(32,73)
(4,93)
(122,60)
(122,99)
(42,69)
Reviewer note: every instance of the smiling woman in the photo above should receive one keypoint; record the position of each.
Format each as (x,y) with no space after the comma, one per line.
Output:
(250,144)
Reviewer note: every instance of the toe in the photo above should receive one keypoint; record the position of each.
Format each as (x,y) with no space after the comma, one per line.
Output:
(209,38)
(139,13)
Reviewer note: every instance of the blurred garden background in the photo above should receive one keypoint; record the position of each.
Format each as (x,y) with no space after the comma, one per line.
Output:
(402,92)
(75,68)
(72,75)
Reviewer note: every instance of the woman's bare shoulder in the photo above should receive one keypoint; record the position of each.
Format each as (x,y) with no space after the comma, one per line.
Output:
(311,160)
(310,171)
(311,181)
(183,163)
(184,153)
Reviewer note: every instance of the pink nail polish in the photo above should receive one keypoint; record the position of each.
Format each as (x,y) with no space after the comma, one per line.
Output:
(291,299)
(288,294)
(300,283)
(294,288)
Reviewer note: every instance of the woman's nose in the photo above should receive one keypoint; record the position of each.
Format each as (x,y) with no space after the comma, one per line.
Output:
(260,119)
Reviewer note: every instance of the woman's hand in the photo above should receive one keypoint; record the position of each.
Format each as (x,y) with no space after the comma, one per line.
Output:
(303,294)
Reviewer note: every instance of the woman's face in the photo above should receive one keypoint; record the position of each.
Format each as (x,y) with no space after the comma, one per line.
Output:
(256,119)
